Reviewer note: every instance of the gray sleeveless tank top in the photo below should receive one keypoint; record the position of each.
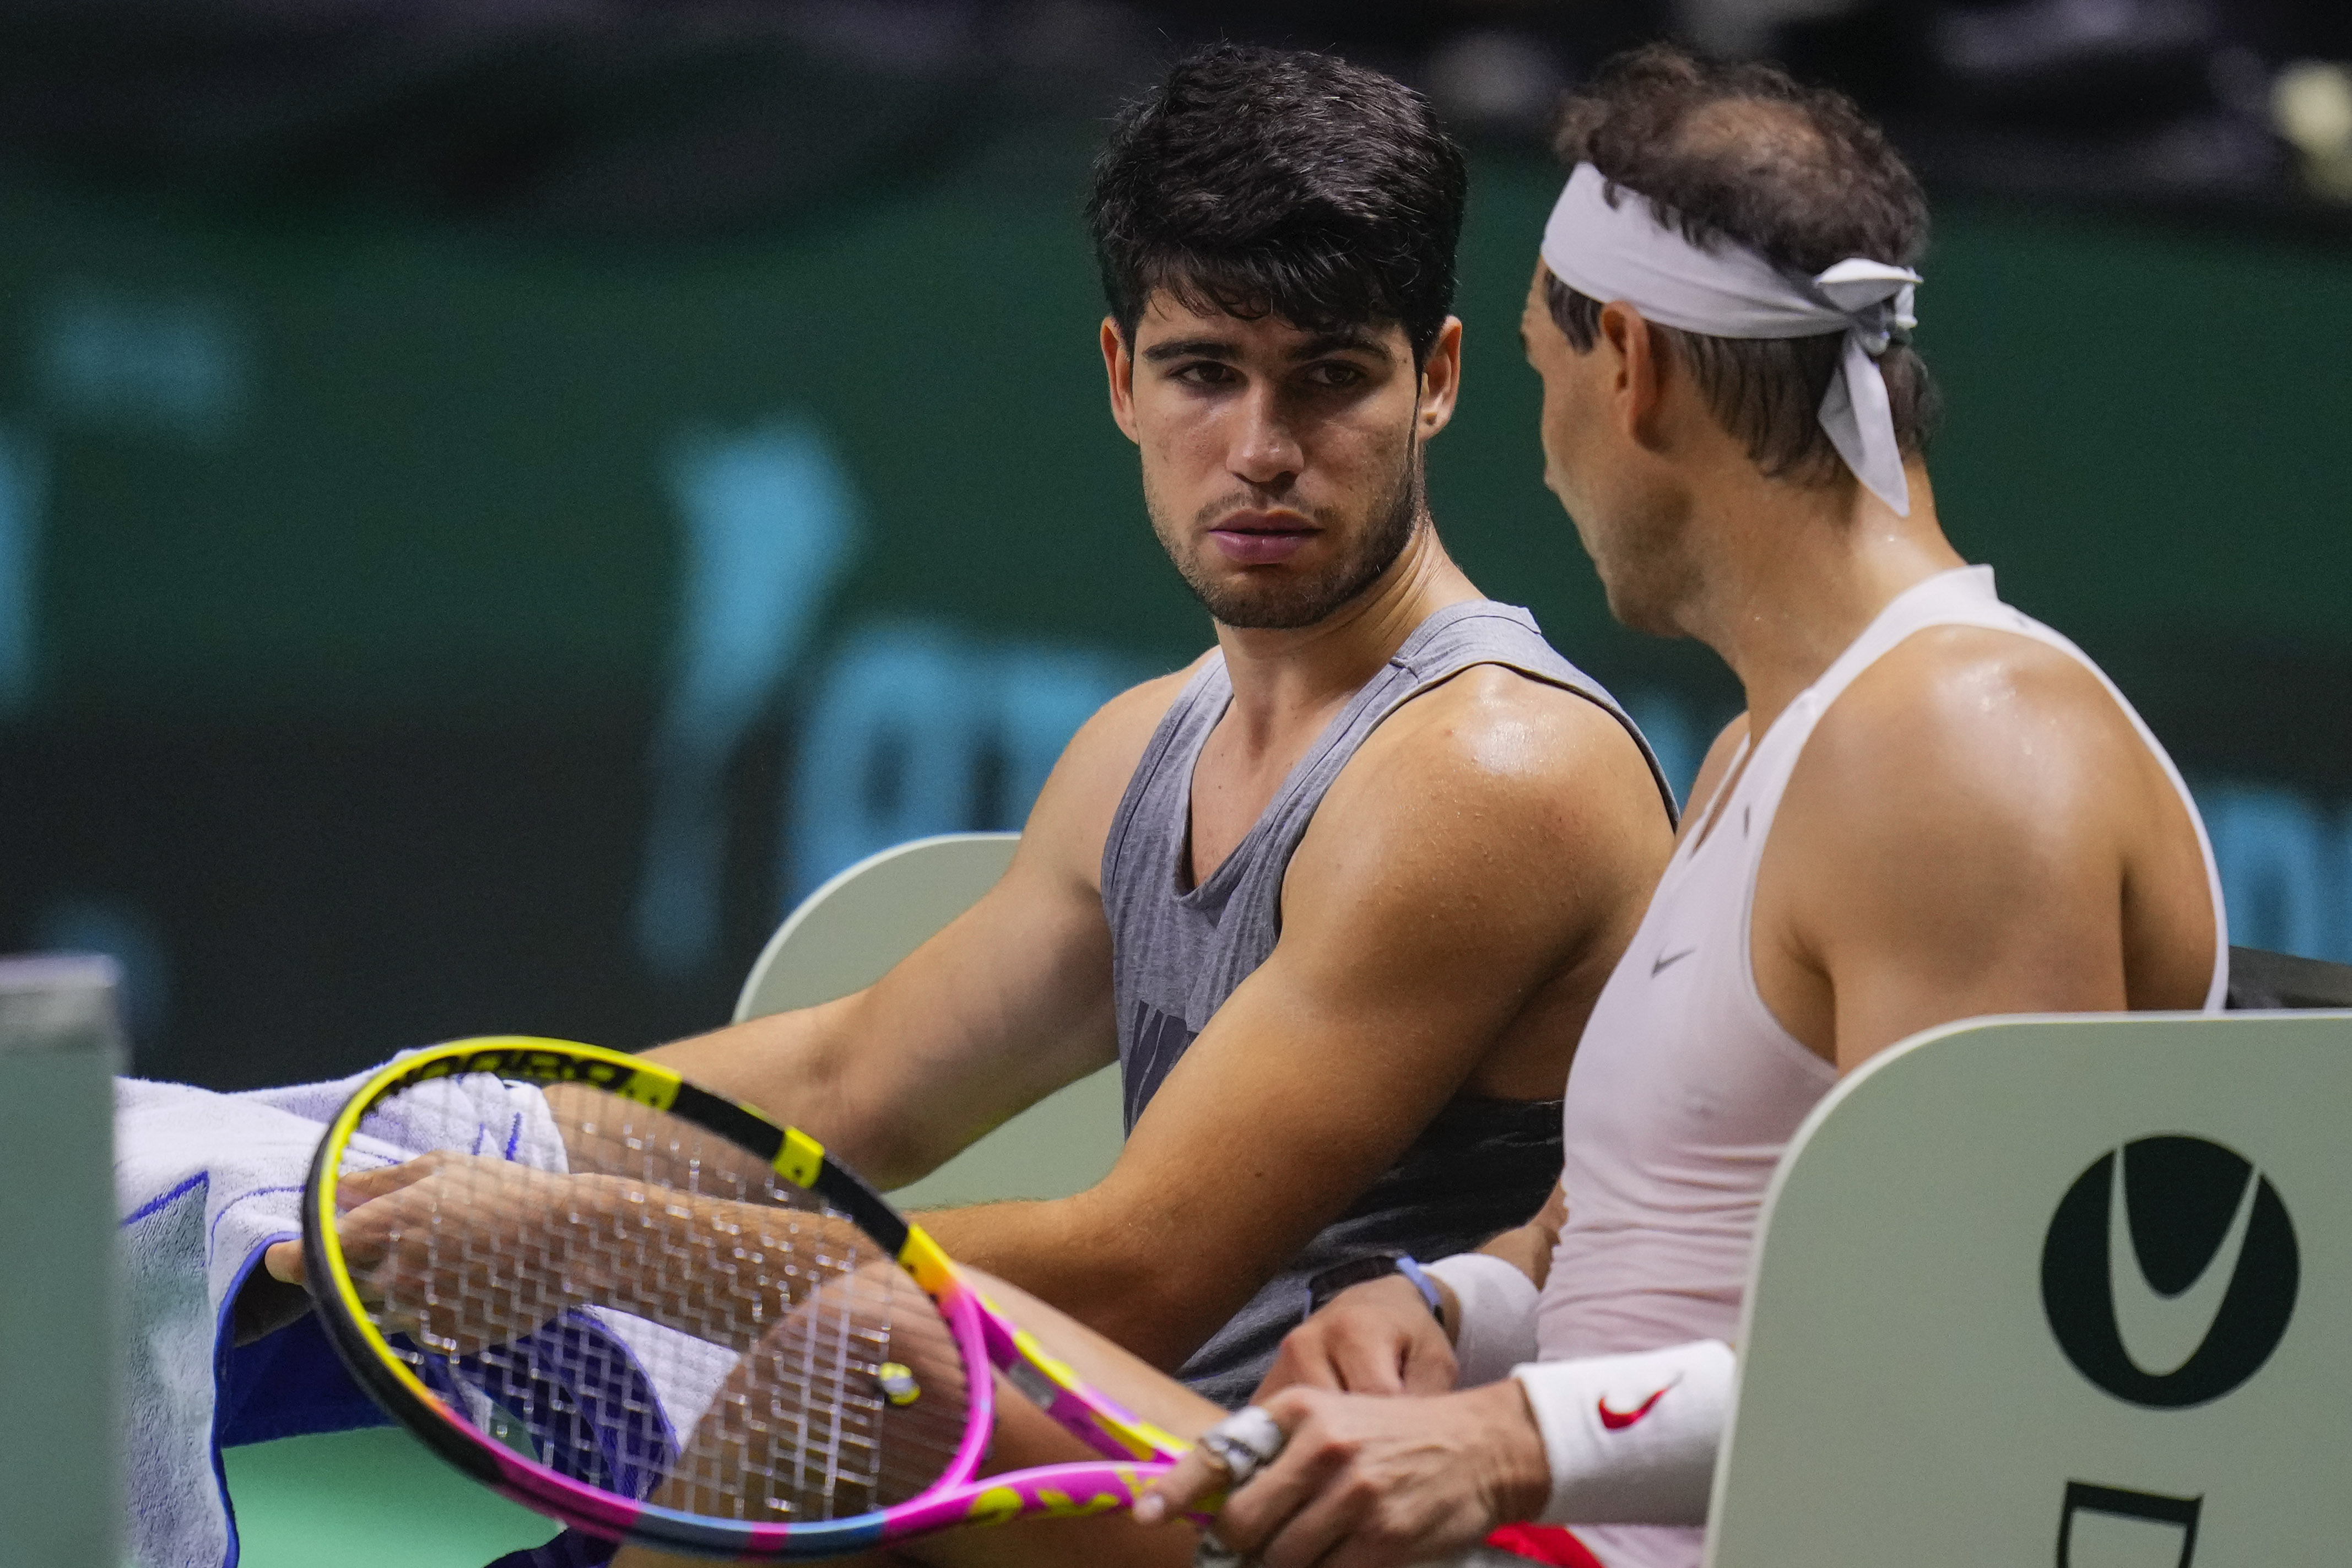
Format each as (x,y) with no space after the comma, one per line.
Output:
(1481,1165)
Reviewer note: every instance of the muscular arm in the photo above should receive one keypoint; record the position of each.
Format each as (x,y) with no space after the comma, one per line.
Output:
(1971,829)
(1008,1002)
(1478,848)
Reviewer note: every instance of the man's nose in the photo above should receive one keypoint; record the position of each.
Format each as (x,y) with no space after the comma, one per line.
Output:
(1266,451)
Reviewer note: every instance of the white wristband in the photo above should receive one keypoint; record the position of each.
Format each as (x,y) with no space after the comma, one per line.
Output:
(1495,1328)
(1632,1439)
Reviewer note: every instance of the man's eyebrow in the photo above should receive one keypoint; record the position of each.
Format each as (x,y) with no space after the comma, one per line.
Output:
(1313,348)
(1340,342)
(1190,348)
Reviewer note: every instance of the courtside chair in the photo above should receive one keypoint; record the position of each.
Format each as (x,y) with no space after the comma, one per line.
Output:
(2072,1291)
(848,934)
(60,1480)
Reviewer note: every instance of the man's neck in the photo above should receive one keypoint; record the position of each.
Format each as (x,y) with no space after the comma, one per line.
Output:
(1787,577)
(1282,678)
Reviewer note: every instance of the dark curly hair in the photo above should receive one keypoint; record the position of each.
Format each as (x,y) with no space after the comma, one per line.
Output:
(1744,154)
(1257,181)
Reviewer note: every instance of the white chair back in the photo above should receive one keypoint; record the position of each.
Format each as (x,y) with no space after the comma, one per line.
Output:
(848,934)
(2073,1291)
(61,1361)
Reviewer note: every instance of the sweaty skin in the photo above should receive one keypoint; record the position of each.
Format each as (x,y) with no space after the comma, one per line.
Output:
(1974,828)
(1448,919)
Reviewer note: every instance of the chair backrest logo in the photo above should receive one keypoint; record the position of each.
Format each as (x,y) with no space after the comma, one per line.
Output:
(2170,1271)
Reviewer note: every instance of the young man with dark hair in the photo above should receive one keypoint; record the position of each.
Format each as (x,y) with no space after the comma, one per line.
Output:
(1339,897)
(1934,808)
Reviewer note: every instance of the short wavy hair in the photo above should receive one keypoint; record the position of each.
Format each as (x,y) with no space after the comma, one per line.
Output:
(1744,154)
(1256,182)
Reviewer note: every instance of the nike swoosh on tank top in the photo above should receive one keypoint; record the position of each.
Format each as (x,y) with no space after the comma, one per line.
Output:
(1686,1088)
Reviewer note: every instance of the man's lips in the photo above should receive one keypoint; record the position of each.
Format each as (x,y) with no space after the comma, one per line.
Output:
(1254,539)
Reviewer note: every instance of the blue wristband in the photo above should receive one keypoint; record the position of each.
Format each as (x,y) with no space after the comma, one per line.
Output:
(1425,1285)
(1329,1282)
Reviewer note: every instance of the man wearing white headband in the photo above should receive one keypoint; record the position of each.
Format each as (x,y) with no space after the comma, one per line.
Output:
(1933,808)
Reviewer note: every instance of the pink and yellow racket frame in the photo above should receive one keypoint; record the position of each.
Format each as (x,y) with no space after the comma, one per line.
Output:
(1135,1452)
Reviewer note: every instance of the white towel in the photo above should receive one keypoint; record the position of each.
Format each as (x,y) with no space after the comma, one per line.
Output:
(204,1182)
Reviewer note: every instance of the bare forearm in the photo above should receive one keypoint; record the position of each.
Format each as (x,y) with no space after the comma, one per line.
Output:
(1529,1247)
(792,1067)
(1069,1253)
(781,1064)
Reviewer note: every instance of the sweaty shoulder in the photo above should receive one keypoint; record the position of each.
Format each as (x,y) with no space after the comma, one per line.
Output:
(1072,817)
(1492,728)
(1500,786)
(1999,772)
(1981,721)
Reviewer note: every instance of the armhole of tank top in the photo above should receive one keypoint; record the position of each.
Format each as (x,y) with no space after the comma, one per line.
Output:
(1751,995)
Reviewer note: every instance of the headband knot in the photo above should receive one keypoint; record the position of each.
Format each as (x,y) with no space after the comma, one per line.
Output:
(1634,253)
(1875,299)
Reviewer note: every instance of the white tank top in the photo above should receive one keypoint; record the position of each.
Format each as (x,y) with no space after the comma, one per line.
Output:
(1686,1088)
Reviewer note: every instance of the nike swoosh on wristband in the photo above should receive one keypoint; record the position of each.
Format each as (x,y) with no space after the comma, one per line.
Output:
(2159,1333)
(1671,958)
(1617,1420)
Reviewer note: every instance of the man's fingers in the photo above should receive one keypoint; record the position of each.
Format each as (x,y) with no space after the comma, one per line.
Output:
(353,1188)
(1195,1479)
(1325,1530)
(1305,1361)
(1430,1369)
(1369,1364)
(1260,1511)
(284,1262)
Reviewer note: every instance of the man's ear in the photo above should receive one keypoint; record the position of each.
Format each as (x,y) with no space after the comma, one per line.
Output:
(1637,372)
(1441,379)
(1120,366)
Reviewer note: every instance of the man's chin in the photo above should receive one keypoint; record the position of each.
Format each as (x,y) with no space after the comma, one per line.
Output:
(1295,594)
(1267,612)
(1272,599)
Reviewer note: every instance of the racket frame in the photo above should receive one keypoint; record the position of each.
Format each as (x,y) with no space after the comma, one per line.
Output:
(1136,1452)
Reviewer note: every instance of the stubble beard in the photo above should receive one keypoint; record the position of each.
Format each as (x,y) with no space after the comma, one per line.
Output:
(1287,605)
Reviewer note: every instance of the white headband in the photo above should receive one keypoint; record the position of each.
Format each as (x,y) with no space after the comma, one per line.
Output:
(1629,252)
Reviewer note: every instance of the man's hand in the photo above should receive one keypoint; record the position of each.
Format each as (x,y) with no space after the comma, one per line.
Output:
(1374,1338)
(462,1251)
(496,1248)
(1373,1483)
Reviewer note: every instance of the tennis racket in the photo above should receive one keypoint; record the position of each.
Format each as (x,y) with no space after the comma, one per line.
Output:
(655,1315)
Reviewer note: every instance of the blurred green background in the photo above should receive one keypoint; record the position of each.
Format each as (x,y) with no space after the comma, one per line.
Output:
(412,631)
(496,502)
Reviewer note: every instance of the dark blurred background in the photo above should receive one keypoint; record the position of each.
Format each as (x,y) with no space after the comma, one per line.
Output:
(499,497)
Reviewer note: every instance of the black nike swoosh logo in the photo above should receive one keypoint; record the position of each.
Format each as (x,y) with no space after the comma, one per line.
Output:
(1671,959)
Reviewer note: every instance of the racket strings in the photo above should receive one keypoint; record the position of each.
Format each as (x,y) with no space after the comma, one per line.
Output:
(807,1429)
(667,1318)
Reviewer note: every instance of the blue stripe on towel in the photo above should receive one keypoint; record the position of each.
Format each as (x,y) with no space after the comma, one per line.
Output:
(166,1200)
